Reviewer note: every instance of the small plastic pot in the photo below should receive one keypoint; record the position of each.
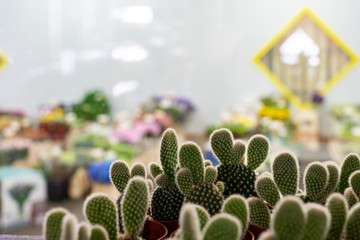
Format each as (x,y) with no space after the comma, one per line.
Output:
(171,226)
(154,230)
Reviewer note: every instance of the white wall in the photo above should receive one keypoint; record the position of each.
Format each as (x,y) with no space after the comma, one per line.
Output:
(206,54)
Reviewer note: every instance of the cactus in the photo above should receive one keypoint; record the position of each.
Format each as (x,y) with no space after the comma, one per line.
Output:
(353,223)
(316,180)
(354,181)
(100,209)
(288,221)
(337,206)
(83,231)
(285,171)
(203,215)
(189,223)
(237,206)
(267,189)
(222,227)
(69,225)
(350,164)
(98,232)
(134,207)
(238,177)
(333,182)
(259,213)
(191,179)
(350,197)
(167,200)
(268,235)
(52,226)
(318,222)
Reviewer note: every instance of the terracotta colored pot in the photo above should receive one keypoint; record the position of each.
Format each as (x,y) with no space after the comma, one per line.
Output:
(248,236)
(255,230)
(154,230)
(55,130)
(171,226)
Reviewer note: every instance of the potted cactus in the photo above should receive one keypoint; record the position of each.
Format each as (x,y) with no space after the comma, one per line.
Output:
(166,199)
(237,174)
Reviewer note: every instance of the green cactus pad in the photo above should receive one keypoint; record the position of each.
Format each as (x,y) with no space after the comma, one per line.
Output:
(69,225)
(221,141)
(238,179)
(155,169)
(166,203)
(353,223)
(268,235)
(119,174)
(220,186)
(207,163)
(259,213)
(222,227)
(288,220)
(83,232)
(189,223)
(135,206)
(190,156)
(53,223)
(337,206)
(237,206)
(355,183)
(210,174)
(318,222)
(285,171)
(333,182)
(351,164)
(100,209)
(257,151)
(267,189)
(138,169)
(206,195)
(315,181)
(169,152)
(203,215)
(184,180)
(162,180)
(98,232)
(350,197)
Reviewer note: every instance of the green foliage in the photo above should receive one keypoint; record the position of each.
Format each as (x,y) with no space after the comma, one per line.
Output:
(288,219)
(53,223)
(257,151)
(98,232)
(100,209)
(119,174)
(93,104)
(351,163)
(285,171)
(134,206)
(315,181)
(267,189)
(259,213)
(318,222)
(222,227)
(337,206)
(350,197)
(353,223)
(237,206)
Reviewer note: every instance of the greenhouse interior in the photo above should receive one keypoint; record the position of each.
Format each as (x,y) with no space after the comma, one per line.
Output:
(190,120)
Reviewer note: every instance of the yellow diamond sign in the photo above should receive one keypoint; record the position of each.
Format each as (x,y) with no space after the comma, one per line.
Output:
(305,58)
(3,60)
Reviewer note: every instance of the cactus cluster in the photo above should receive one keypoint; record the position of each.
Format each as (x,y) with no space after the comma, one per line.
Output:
(320,180)
(235,170)
(166,200)
(196,182)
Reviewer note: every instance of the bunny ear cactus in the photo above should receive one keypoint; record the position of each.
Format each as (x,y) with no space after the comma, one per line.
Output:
(285,171)
(267,189)
(83,231)
(317,222)
(333,182)
(238,177)
(100,209)
(222,227)
(167,200)
(353,223)
(337,206)
(203,215)
(351,163)
(259,213)
(53,224)
(189,223)
(98,232)
(315,181)
(134,207)
(138,169)
(354,181)
(350,197)
(237,206)
(69,224)
(195,183)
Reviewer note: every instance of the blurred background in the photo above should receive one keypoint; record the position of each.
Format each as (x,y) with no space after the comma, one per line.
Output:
(83,83)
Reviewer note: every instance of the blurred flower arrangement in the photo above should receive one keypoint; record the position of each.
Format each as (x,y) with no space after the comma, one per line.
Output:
(346,120)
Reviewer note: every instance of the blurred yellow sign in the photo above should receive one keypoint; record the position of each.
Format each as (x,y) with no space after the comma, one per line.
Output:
(306,58)
(3,60)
